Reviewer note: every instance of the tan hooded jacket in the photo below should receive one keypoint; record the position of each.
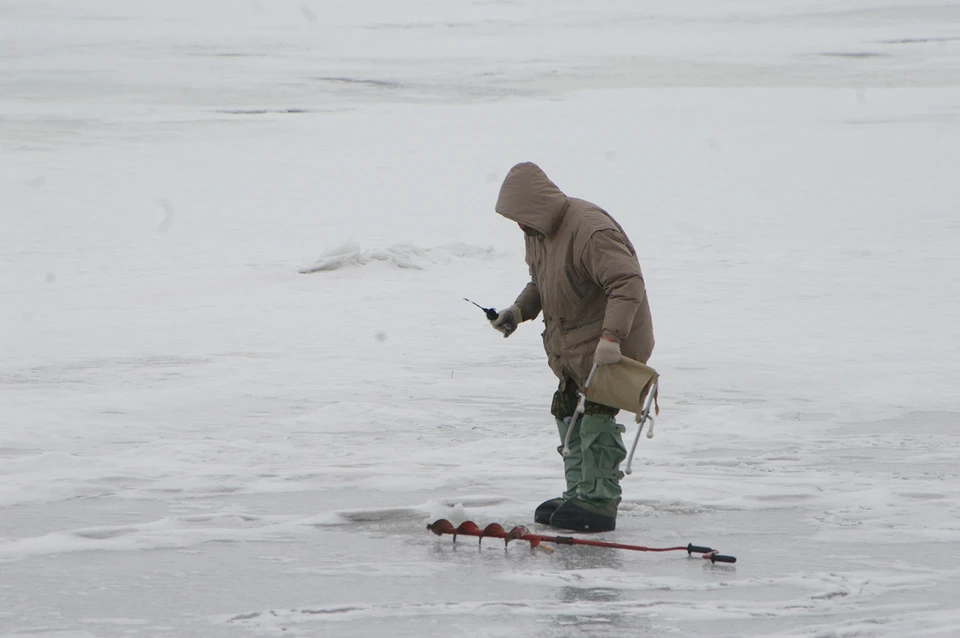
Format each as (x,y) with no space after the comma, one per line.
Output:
(584,274)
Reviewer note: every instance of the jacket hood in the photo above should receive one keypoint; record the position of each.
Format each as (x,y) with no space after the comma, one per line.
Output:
(528,197)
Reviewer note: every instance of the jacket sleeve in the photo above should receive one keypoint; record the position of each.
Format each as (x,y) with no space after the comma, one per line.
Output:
(529,301)
(609,262)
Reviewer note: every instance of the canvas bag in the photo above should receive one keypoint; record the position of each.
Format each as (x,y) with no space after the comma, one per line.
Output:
(624,386)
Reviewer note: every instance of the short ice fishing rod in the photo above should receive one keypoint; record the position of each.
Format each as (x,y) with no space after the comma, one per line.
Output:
(491,313)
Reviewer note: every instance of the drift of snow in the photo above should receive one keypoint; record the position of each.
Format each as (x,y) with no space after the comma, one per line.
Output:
(350,254)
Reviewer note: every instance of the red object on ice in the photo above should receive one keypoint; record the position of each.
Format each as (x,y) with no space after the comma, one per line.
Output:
(521,533)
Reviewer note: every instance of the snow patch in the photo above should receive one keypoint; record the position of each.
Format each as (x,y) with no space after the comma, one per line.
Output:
(351,254)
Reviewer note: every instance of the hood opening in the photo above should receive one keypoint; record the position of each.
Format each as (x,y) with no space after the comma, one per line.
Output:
(529,198)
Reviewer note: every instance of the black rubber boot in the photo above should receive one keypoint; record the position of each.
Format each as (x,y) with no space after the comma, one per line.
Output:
(577,517)
(546,509)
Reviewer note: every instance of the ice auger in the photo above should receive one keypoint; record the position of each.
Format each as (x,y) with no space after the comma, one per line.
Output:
(521,533)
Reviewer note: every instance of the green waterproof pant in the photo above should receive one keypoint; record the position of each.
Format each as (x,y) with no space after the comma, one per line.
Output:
(573,464)
(592,470)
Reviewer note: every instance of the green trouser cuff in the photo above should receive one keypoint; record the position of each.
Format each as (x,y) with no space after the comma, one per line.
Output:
(601,445)
(573,464)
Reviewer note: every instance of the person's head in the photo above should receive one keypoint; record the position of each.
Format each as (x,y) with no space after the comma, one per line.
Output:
(530,199)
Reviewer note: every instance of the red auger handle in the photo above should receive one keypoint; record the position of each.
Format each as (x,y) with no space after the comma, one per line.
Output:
(696,549)
(712,554)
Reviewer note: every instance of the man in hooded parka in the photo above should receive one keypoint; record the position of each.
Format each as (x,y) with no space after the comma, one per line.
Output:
(585,278)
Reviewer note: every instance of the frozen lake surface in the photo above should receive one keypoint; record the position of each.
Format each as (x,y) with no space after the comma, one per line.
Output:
(197,440)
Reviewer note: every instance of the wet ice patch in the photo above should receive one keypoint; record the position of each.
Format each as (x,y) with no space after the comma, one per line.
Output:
(51,634)
(283,621)
(176,532)
(376,568)
(351,254)
(380,515)
(454,510)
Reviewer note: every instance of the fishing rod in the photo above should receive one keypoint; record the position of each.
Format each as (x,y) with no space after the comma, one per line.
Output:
(491,313)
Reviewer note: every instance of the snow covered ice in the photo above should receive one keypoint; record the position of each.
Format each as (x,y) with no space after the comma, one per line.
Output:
(196,439)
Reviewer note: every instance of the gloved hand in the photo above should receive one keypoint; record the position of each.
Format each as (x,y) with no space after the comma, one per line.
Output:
(507,321)
(607,353)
